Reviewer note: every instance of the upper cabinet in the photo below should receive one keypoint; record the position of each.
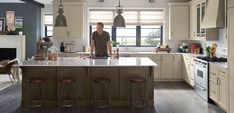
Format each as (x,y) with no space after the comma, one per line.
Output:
(74,13)
(230,3)
(178,21)
(197,11)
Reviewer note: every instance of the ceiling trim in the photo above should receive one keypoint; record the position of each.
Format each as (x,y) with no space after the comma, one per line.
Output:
(34,2)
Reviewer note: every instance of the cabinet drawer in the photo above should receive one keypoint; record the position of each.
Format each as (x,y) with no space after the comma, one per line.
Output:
(157,72)
(153,56)
(222,71)
(213,91)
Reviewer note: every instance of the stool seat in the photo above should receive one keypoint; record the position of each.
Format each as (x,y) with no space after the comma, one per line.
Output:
(67,80)
(37,80)
(138,80)
(102,80)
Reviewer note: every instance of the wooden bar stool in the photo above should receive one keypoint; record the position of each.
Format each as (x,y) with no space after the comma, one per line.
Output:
(35,85)
(66,86)
(105,83)
(141,83)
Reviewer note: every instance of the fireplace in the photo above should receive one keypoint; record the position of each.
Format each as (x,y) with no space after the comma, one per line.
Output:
(7,53)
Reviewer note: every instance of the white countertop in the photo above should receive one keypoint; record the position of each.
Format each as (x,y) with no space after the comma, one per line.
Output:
(87,62)
(220,64)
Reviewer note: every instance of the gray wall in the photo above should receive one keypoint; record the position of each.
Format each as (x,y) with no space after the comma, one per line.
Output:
(31,20)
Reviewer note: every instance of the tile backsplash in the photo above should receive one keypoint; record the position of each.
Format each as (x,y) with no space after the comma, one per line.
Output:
(79,42)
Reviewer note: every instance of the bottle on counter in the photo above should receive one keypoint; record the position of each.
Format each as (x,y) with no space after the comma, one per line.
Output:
(114,55)
(62,47)
(117,53)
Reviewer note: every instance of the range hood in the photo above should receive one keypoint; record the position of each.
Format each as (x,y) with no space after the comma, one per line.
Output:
(214,16)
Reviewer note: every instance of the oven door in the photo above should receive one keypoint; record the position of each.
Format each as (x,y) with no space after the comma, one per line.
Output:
(201,77)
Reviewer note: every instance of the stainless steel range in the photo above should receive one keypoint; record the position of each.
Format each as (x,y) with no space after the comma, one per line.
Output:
(202,74)
(201,78)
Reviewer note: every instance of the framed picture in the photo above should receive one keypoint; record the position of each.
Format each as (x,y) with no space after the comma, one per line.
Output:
(2,24)
(10,18)
(18,22)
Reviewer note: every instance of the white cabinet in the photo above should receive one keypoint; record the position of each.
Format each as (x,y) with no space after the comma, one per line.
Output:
(167,66)
(178,21)
(177,70)
(197,11)
(74,13)
(193,21)
(230,3)
(231,57)
(188,70)
(218,84)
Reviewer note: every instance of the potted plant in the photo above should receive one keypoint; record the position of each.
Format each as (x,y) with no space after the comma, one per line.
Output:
(207,51)
(114,43)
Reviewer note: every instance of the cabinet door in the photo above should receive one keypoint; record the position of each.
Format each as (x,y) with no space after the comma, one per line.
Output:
(230,3)
(223,90)
(179,27)
(167,66)
(213,91)
(193,23)
(177,67)
(231,57)
(75,21)
(157,70)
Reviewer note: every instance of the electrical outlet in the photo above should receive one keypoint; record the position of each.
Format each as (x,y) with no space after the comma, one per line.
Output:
(223,50)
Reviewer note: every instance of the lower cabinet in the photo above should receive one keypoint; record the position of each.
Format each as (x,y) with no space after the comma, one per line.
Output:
(218,85)
(188,69)
(167,66)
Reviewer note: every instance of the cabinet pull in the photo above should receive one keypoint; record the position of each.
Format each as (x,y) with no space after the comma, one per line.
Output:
(218,81)
(213,73)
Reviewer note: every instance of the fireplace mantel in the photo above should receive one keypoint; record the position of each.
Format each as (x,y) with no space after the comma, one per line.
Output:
(14,41)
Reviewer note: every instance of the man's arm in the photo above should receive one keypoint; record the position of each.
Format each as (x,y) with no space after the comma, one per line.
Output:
(109,47)
(92,48)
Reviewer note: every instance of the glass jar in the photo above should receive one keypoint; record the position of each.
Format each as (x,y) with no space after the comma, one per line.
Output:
(52,53)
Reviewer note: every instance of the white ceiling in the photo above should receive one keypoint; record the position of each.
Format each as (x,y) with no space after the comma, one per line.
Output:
(11,1)
(18,1)
(44,1)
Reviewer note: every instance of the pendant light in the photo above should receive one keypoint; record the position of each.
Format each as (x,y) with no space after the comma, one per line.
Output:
(119,19)
(60,20)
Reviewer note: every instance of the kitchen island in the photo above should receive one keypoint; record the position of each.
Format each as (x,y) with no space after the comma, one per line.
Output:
(85,70)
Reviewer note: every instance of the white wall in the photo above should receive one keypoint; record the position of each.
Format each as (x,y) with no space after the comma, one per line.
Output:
(142,4)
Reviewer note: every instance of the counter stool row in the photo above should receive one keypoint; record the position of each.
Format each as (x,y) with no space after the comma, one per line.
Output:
(66,86)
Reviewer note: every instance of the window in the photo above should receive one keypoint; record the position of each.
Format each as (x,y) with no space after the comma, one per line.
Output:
(143,27)
(126,36)
(151,35)
(48,25)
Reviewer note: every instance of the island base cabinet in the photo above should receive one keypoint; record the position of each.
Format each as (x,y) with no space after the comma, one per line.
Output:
(83,88)
(49,87)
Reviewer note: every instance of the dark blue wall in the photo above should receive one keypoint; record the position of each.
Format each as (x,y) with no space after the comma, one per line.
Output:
(31,20)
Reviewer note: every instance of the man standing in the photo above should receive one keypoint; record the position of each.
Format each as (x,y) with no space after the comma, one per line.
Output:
(101,42)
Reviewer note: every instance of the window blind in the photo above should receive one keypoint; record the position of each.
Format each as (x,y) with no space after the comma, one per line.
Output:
(48,20)
(132,17)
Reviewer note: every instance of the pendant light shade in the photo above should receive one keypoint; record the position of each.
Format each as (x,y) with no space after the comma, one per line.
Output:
(60,20)
(119,19)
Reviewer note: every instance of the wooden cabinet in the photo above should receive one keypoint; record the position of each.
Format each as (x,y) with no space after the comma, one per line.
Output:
(167,66)
(177,70)
(197,11)
(74,13)
(178,21)
(230,24)
(230,3)
(218,84)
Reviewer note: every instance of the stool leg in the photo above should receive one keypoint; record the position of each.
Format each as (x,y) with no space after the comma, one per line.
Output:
(131,96)
(41,96)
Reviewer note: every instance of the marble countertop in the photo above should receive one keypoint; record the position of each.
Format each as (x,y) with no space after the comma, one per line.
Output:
(88,62)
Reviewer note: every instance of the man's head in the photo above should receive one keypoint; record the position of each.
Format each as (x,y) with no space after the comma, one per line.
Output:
(99,26)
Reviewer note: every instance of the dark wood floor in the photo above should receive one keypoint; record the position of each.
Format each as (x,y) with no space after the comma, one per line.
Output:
(170,97)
